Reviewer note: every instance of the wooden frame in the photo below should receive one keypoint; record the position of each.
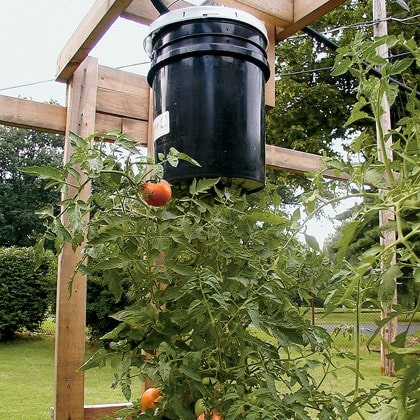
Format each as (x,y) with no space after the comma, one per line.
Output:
(51,118)
(104,99)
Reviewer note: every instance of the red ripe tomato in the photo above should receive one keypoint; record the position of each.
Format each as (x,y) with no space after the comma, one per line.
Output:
(149,397)
(215,415)
(157,193)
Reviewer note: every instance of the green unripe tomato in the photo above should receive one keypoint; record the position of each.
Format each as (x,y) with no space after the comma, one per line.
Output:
(199,407)
(210,381)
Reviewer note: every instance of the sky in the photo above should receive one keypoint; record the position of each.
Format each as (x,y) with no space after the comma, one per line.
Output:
(32,35)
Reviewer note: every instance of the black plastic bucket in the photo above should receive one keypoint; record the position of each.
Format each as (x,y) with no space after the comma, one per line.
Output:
(208,72)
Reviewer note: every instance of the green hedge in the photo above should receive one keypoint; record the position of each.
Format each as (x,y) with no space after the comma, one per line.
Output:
(26,292)
(103,301)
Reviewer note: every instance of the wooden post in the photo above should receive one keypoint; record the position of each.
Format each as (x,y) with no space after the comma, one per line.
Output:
(71,307)
(389,330)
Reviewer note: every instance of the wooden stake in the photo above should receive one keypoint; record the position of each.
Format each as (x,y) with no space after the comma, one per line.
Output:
(389,330)
(71,306)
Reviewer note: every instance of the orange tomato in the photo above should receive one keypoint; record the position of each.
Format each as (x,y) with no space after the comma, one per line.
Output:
(156,193)
(215,415)
(149,397)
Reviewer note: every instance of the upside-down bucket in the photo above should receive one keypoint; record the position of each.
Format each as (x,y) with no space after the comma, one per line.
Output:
(208,72)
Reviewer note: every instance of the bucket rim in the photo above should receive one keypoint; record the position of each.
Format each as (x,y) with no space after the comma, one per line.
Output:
(202,12)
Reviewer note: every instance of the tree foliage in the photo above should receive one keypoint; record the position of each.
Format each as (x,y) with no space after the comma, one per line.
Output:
(21,195)
(312,105)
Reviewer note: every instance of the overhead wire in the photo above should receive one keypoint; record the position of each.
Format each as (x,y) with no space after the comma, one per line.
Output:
(53,80)
(334,46)
(319,69)
(363,24)
(338,28)
(26,84)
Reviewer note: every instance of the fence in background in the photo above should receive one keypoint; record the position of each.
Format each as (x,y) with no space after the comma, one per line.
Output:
(340,323)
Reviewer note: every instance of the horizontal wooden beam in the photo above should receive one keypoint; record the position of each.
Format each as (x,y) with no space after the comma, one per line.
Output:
(136,130)
(122,94)
(275,12)
(99,18)
(49,118)
(305,12)
(93,412)
(123,81)
(52,118)
(278,13)
(288,16)
(296,161)
(39,116)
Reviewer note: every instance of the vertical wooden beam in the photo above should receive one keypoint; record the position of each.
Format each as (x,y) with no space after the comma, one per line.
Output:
(71,307)
(389,330)
(270,86)
(150,138)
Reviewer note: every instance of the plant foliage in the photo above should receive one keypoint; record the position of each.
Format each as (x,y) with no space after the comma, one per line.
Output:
(386,185)
(213,279)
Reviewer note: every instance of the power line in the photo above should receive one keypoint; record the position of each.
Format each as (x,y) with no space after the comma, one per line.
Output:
(27,84)
(339,28)
(53,80)
(363,24)
(133,65)
(291,73)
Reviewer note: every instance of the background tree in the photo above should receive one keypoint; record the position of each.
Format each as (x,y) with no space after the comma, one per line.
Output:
(368,237)
(21,195)
(312,106)
(365,146)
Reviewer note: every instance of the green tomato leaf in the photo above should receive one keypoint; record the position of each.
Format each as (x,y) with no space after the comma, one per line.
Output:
(76,140)
(43,172)
(202,185)
(389,285)
(187,371)
(342,67)
(399,66)
(312,242)
(375,177)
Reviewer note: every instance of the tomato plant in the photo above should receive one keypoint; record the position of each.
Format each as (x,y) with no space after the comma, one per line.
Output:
(156,193)
(213,274)
(216,277)
(212,310)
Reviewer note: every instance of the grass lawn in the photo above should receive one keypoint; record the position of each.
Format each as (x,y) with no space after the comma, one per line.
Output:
(27,380)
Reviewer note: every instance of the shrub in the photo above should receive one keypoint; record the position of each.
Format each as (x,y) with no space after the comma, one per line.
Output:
(27,291)
(105,297)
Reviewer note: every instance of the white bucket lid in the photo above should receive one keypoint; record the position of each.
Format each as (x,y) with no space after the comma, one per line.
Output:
(202,12)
